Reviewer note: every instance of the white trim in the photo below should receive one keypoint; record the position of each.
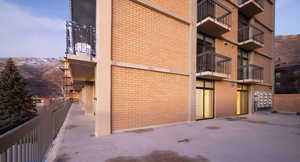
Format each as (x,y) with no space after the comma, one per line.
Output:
(252,1)
(215,75)
(148,68)
(251,41)
(226,27)
(152,126)
(240,81)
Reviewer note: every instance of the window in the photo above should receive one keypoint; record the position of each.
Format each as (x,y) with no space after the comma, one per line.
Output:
(204,84)
(243,61)
(242,87)
(297,73)
(204,43)
(277,75)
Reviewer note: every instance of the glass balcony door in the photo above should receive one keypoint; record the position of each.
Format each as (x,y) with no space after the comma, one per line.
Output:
(243,61)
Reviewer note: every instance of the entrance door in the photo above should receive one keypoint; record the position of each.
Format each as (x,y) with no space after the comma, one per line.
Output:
(199,104)
(204,100)
(242,100)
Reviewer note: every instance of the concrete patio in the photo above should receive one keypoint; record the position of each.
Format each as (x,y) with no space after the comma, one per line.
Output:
(261,137)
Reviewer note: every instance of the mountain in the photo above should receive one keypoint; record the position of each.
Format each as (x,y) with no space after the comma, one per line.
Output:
(43,76)
(287,50)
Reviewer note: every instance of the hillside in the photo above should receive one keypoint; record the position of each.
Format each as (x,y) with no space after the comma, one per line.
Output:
(42,75)
(287,50)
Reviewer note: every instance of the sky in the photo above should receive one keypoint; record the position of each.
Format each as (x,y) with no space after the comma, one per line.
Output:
(36,28)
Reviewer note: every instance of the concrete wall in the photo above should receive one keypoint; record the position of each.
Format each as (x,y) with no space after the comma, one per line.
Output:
(286,102)
(87,99)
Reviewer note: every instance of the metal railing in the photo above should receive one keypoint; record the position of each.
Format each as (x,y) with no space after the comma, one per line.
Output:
(214,10)
(30,141)
(80,39)
(259,2)
(252,72)
(213,62)
(249,32)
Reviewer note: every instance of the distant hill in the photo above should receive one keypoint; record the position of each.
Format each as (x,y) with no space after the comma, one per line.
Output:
(287,50)
(43,76)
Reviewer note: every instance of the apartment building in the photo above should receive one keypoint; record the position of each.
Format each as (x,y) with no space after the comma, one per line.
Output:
(287,73)
(68,89)
(147,63)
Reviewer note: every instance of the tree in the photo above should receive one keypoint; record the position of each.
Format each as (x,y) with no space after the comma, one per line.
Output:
(16,104)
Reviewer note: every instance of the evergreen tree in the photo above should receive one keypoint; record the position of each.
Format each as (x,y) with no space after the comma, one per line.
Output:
(16,104)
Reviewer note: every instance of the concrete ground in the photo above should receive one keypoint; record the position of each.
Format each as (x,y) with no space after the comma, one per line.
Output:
(262,137)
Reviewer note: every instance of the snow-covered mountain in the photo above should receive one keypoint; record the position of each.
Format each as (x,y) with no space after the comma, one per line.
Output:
(33,61)
(43,76)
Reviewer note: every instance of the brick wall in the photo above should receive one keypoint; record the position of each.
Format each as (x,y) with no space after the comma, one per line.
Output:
(286,102)
(225,98)
(142,98)
(177,7)
(146,37)
(264,62)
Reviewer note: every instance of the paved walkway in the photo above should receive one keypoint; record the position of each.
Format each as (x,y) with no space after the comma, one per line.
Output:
(262,137)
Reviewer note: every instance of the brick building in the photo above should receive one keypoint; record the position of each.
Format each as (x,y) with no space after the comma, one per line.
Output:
(145,63)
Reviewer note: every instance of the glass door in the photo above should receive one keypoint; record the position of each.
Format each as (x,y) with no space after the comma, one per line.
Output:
(208,104)
(199,104)
(204,100)
(242,100)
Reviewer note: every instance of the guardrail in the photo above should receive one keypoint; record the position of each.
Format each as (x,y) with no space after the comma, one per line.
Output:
(213,62)
(80,39)
(250,71)
(30,141)
(250,32)
(214,10)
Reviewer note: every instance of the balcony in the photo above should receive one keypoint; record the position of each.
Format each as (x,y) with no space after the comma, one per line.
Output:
(251,8)
(211,65)
(250,74)
(81,50)
(214,18)
(80,39)
(250,37)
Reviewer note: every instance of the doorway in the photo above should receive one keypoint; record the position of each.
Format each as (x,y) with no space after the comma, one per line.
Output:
(242,99)
(204,99)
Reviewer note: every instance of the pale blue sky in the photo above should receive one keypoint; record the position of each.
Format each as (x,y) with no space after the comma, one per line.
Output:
(35,28)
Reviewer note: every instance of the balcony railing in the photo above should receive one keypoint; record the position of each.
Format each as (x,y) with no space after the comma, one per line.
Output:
(250,72)
(259,2)
(212,62)
(215,10)
(31,140)
(80,39)
(250,32)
